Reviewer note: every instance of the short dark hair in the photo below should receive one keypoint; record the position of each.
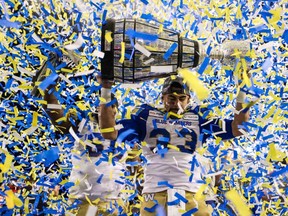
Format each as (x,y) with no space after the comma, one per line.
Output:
(175,85)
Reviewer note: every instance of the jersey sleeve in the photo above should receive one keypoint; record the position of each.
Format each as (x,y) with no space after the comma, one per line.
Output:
(133,129)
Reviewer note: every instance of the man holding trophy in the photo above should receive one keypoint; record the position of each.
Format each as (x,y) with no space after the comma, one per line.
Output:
(170,137)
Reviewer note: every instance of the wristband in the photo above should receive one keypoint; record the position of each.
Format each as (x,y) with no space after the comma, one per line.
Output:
(106,94)
(241,97)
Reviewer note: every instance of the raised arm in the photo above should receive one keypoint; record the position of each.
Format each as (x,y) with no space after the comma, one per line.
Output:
(243,116)
(106,114)
(55,112)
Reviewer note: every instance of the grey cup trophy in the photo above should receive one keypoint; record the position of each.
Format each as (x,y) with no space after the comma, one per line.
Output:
(138,53)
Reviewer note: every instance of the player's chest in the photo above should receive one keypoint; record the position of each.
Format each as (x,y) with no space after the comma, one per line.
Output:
(156,123)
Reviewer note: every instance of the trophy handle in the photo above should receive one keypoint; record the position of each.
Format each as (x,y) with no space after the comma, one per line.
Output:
(197,54)
(107,63)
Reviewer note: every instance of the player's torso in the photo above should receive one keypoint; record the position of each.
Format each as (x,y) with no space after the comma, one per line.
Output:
(182,133)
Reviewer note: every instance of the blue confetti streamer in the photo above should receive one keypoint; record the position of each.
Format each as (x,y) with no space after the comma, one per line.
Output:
(97,163)
(285,36)
(165,183)
(257,29)
(119,182)
(180,197)
(145,2)
(123,135)
(170,51)
(147,17)
(190,212)
(9,24)
(256,175)
(268,137)
(163,139)
(279,172)
(204,65)
(152,209)
(45,11)
(49,156)
(141,35)
(175,202)
(48,81)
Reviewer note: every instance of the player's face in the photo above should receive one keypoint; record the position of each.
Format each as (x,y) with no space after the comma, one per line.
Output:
(175,102)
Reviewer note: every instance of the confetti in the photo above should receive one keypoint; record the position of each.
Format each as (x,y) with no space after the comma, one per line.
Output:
(194,83)
(234,197)
(161,69)
(142,49)
(31,31)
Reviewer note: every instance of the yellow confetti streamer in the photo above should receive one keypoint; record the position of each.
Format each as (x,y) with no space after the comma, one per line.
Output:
(110,157)
(61,119)
(16,112)
(82,106)
(275,154)
(270,113)
(35,119)
(238,202)
(54,20)
(14,63)
(150,48)
(174,114)
(276,15)
(199,194)
(121,60)
(8,161)
(12,200)
(128,113)
(194,83)
(276,116)
(26,206)
(160,30)
(266,185)
(173,147)
(107,130)
(246,79)
(88,200)
(102,100)
(187,172)
(239,12)
(128,191)
(96,201)
(66,70)
(108,36)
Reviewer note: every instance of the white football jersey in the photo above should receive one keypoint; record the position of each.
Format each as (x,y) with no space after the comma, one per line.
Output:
(169,146)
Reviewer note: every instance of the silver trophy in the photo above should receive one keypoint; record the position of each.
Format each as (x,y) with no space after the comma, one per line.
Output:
(148,55)
(137,52)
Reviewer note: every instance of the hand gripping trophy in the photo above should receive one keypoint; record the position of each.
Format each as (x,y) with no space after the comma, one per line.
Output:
(134,51)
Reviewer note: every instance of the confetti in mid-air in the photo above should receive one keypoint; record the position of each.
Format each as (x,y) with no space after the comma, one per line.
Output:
(34,154)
